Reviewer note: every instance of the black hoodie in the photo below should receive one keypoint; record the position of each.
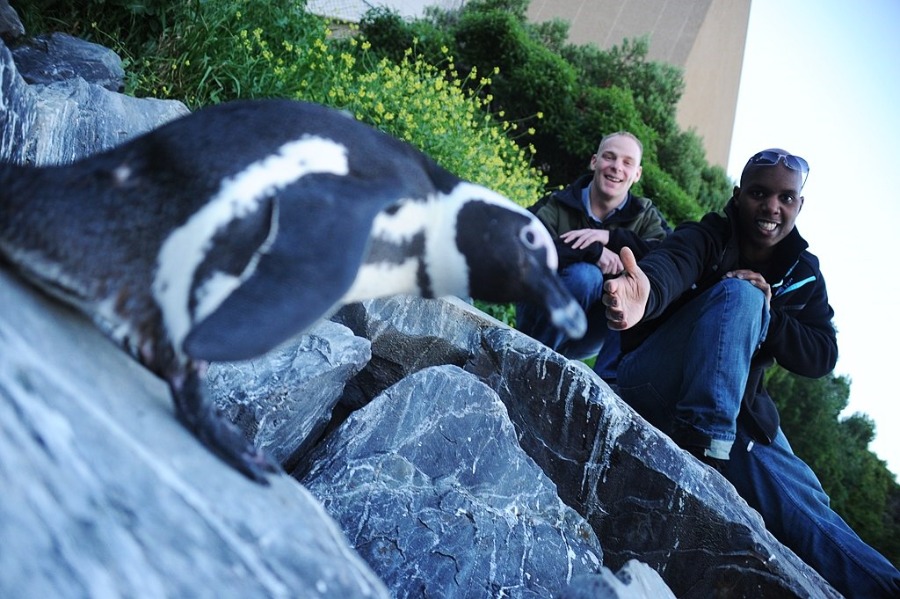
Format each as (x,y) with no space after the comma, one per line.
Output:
(801,335)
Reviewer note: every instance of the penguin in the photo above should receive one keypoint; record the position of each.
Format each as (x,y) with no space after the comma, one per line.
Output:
(222,234)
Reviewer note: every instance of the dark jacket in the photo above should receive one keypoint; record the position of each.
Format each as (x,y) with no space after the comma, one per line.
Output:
(801,335)
(639,225)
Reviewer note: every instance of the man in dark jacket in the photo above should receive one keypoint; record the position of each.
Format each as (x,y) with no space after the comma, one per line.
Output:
(703,316)
(592,220)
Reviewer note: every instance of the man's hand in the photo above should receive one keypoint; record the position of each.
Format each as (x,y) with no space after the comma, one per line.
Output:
(625,297)
(581,238)
(755,279)
(610,263)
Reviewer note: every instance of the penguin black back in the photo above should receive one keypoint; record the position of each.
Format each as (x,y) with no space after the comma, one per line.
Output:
(221,234)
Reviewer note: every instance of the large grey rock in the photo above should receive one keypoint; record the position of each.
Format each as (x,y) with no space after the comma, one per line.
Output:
(431,486)
(104,494)
(284,400)
(643,496)
(10,26)
(60,57)
(63,121)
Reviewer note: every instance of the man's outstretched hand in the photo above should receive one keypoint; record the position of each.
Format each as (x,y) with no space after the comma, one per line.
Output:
(625,297)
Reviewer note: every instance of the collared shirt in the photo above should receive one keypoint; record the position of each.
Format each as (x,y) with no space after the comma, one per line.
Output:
(586,202)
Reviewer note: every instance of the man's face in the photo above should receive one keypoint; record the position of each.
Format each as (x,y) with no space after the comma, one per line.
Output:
(616,166)
(768,204)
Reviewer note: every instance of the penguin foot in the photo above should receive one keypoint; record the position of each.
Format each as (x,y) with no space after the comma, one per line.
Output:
(200,416)
(226,441)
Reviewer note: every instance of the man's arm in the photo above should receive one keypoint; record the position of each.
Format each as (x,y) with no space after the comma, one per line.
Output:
(584,239)
(666,273)
(649,232)
(801,334)
(550,215)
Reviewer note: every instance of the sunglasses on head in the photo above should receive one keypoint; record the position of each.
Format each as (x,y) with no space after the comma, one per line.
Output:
(771,158)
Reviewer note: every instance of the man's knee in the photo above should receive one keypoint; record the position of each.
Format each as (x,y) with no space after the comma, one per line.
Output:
(584,281)
(742,293)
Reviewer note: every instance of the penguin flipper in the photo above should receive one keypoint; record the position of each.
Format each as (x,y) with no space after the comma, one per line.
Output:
(301,277)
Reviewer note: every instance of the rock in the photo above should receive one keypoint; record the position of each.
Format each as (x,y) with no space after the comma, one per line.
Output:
(431,486)
(635,580)
(396,354)
(56,57)
(643,496)
(75,119)
(105,494)
(65,120)
(10,26)
(284,400)
(18,110)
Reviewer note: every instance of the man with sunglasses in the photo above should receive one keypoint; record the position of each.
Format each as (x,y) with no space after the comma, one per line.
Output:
(703,316)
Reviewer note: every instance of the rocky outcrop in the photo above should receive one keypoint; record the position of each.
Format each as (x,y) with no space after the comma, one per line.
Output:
(106,495)
(433,451)
(69,111)
(453,505)
(10,26)
(644,497)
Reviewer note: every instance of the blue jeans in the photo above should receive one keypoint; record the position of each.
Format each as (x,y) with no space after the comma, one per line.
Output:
(584,281)
(687,378)
(786,492)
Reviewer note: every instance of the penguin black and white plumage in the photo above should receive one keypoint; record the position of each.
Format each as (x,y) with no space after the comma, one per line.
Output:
(220,235)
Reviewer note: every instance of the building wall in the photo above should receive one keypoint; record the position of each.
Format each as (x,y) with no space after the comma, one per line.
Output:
(706,38)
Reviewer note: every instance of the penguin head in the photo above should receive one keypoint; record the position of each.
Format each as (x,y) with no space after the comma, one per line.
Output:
(510,257)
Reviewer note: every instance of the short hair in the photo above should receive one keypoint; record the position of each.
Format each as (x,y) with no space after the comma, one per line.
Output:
(623,134)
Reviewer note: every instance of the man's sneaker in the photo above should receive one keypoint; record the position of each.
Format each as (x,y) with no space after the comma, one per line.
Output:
(714,463)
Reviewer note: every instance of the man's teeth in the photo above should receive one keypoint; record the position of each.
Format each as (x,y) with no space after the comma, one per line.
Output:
(766,225)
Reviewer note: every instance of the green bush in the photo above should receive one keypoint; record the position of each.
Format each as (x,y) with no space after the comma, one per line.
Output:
(390,35)
(715,189)
(672,200)
(657,87)
(581,91)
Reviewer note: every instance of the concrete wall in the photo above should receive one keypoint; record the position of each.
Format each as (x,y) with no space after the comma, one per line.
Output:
(704,37)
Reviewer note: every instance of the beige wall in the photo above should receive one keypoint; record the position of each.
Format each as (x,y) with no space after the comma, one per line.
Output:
(704,37)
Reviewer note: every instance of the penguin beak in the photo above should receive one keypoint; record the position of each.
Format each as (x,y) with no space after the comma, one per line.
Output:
(565,313)
(546,287)
(522,261)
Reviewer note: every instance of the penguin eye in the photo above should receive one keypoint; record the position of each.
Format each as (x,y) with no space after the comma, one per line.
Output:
(529,238)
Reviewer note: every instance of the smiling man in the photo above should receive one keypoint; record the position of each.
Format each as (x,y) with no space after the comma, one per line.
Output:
(704,315)
(592,220)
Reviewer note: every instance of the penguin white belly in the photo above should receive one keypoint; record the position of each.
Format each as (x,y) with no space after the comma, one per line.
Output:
(382,279)
(412,251)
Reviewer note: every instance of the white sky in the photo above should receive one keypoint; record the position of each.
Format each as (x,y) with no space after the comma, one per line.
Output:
(821,79)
